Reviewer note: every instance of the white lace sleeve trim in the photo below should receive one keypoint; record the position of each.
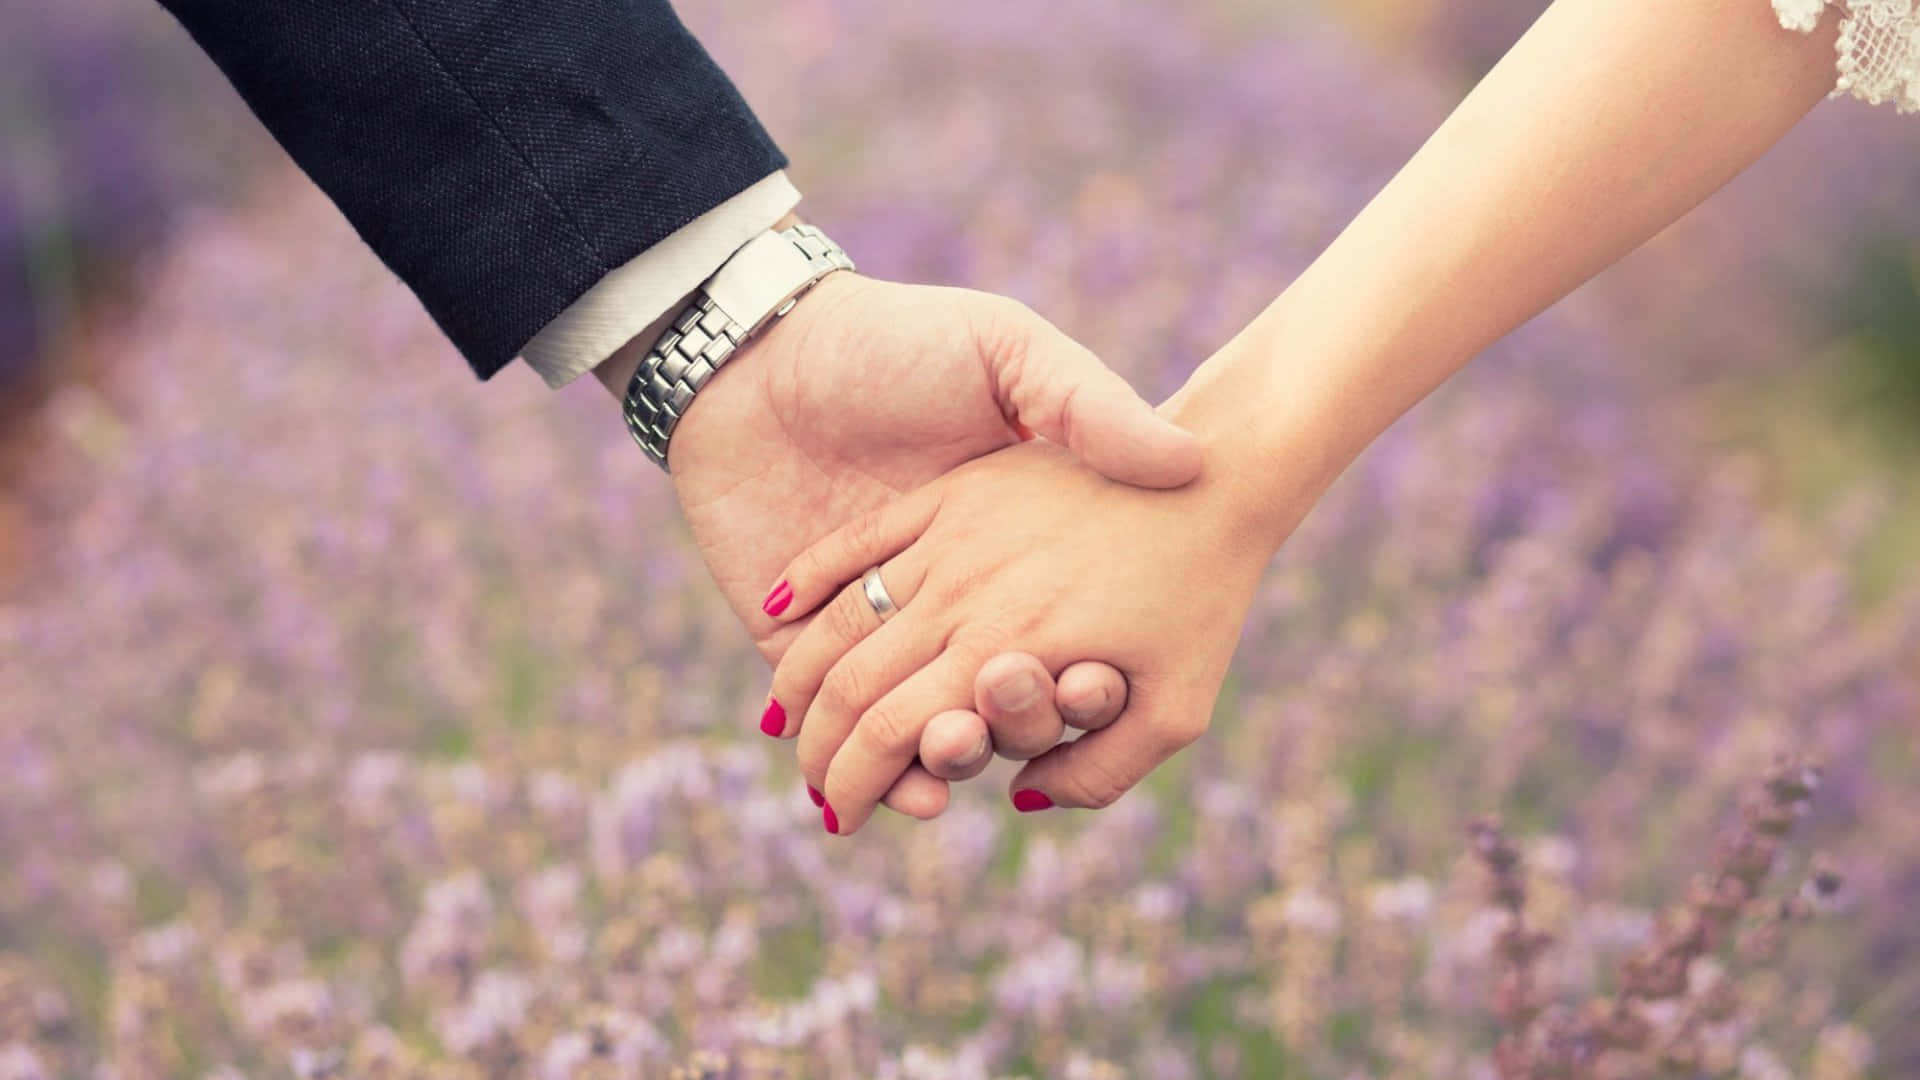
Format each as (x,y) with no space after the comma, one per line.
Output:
(1879,46)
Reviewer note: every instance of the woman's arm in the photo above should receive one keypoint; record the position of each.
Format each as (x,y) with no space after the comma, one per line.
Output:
(1608,121)
(1603,125)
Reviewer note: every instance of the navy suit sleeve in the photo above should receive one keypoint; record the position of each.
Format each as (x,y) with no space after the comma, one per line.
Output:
(501,156)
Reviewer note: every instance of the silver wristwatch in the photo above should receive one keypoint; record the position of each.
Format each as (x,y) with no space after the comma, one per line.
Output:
(760,283)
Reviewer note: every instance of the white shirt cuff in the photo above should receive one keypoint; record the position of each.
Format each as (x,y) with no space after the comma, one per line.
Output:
(629,298)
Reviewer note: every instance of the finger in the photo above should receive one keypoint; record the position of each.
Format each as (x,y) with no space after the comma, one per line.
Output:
(1094,770)
(844,554)
(1090,695)
(918,794)
(1055,386)
(1014,694)
(846,621)
(955,746)
(854,682)
(886,739)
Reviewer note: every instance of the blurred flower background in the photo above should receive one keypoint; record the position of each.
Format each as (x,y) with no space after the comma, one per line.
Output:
(359,721)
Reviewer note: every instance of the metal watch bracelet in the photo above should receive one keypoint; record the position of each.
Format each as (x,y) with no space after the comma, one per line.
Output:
(758,284)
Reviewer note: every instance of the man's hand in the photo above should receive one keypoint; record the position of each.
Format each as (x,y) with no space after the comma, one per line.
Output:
(869,389)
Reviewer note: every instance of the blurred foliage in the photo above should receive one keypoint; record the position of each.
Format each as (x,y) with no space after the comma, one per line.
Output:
(366,724)
(111,123)
(1878,312)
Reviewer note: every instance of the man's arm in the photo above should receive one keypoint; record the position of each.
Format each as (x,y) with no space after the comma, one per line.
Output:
(502,157)
(552,177)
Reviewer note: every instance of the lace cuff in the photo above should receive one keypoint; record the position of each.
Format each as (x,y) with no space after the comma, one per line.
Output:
(1879,46)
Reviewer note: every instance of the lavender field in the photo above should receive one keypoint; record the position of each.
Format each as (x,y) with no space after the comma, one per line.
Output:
(366,722)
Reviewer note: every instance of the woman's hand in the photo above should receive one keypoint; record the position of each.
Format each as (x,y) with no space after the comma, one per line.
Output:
(865,391)
(1026,549)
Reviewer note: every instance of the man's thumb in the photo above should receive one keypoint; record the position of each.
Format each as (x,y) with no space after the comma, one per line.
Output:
(1056,388)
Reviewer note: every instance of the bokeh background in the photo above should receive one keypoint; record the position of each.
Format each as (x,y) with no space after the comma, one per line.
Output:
(357,720)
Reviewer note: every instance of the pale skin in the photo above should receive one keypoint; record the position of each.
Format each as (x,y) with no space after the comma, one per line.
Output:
(866,390)
(1606,123)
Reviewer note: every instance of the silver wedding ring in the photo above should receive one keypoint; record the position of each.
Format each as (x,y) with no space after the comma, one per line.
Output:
(883,605)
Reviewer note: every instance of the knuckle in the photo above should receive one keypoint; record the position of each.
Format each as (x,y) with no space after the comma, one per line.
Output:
(958,583)
(843,691)
(1000,325)
(1018,321)
(997,311)
(1096,783)
(814,775)
(974,643)
(1011,306)
(889,729)
(807,573)
(1181,730)
(1093,787)
(845,618)
(813,756)
(862,537)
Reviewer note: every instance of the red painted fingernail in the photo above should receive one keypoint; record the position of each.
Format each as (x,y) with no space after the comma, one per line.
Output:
(814,794)
(828,818)
(774,721)
(777,600)
(1027,800)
